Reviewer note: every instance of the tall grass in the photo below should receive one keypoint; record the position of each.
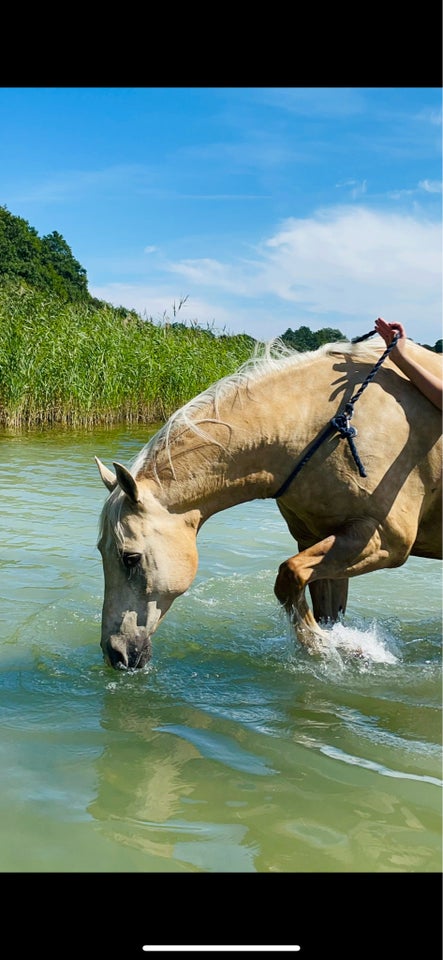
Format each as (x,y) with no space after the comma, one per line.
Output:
(82,365)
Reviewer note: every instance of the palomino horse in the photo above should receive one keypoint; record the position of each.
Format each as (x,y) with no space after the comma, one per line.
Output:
(239,441)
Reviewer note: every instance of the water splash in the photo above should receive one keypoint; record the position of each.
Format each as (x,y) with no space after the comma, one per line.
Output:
(358,646)
(367,644)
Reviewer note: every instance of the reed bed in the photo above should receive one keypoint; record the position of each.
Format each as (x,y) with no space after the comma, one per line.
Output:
(87,364)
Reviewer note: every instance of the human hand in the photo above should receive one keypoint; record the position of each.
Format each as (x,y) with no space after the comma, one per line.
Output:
(389,330)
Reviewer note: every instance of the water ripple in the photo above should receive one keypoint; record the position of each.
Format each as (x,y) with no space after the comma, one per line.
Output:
(218,747)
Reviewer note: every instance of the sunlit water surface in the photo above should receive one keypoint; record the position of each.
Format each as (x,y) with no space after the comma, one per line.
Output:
(235,750)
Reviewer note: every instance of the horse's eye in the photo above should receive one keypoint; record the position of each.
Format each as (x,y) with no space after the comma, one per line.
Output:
(131,560)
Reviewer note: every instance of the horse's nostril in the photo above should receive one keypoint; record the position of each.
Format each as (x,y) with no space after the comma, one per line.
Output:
(134,658)
(122,654)
(114,652)
(116,658)
(139,653)
(119,663)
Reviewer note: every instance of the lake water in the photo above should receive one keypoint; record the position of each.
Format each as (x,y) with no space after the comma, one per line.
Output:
(235,751)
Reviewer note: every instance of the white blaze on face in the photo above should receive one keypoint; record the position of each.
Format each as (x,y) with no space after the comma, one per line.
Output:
(153,616)
(131,622)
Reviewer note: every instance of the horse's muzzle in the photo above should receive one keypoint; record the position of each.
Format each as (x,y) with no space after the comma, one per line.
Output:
(127,654)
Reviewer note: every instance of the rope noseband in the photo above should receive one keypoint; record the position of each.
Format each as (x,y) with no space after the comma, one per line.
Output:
(342,422)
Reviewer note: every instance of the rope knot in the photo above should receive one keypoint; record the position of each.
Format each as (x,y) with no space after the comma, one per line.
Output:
(342,423)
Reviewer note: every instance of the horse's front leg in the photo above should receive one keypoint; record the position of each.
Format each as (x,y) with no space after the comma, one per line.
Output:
(329,599)
(357,548)
(289,589)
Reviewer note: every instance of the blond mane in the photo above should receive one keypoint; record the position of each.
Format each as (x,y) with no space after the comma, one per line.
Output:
(269,358)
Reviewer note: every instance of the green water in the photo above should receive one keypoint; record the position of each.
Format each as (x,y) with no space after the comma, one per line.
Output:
(234,751)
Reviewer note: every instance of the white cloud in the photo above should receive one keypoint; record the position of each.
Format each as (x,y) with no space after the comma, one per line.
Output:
(234,279)
(335,259)
(312,101)
(74,184)
(340,267)
(431,115)
(156,303)
(431,186)
(356,188)
(400,194)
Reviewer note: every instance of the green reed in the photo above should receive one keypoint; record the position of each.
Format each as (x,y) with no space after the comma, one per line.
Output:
(83,364)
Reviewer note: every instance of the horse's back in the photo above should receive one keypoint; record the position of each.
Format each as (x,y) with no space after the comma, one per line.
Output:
(398,442)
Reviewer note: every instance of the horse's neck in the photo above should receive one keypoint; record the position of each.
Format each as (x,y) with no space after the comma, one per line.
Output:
(247,451)
(217,473)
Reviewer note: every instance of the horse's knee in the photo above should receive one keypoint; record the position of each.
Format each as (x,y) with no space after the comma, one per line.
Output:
(296,572)
(288,585)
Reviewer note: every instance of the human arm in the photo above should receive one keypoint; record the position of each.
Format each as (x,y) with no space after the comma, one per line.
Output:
(428,383)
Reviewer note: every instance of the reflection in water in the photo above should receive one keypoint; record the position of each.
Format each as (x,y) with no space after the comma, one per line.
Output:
(144,787)
(141,777)
(222,748)
(203,793)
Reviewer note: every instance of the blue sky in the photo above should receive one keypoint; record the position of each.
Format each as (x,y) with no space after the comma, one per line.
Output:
(262,208)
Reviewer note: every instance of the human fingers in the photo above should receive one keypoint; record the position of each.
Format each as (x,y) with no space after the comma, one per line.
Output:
(398,328)
(384,329)
(389,330)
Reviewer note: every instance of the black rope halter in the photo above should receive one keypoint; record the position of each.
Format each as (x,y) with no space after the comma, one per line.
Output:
(342,422)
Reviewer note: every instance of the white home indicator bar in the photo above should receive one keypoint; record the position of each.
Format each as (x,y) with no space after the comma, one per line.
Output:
(219,949)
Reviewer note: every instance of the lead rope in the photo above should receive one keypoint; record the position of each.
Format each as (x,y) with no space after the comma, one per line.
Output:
(342,422)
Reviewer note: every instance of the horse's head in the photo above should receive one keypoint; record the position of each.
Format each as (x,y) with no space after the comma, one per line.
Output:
(149,558)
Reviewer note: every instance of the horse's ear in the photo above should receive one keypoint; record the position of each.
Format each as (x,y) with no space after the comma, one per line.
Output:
(127,482)
(108,477)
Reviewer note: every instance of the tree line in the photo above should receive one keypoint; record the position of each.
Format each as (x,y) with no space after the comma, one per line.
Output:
(45,263)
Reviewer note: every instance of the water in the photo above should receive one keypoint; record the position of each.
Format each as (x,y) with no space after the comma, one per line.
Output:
(234,751)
